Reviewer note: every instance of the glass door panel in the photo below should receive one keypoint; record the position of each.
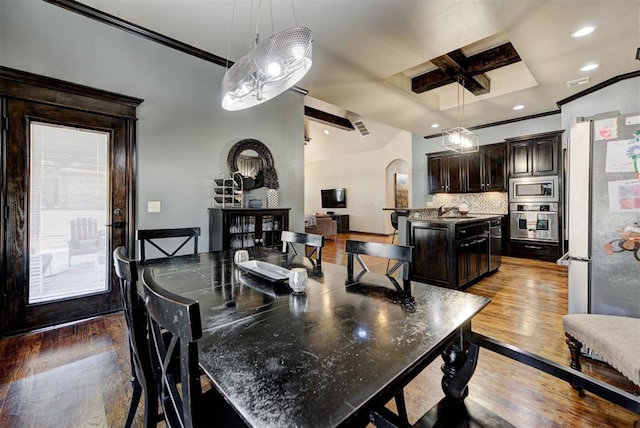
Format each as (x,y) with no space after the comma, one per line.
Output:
(68,200)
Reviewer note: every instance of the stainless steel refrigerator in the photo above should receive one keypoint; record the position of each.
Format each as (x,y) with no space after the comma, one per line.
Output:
(603,209)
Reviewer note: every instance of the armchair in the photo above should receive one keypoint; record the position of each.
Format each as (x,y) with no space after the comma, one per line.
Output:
(324,225)
(84,237)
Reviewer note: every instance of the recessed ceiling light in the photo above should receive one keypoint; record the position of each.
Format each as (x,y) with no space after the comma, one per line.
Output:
(518,107)
(326,131)
(583,31)
(435,125)
(590,67)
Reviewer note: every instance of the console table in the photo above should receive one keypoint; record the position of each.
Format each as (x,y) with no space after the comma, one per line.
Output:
(342,221)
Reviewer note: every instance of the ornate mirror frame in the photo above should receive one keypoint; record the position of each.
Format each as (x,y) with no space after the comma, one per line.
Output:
(266,177)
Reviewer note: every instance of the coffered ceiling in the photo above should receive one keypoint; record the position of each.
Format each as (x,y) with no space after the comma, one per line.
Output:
(367,53)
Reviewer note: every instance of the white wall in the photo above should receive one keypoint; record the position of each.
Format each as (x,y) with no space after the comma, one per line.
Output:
(183,135)
(364,175)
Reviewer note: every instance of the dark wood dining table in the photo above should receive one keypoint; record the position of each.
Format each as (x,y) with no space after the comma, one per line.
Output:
(325,357)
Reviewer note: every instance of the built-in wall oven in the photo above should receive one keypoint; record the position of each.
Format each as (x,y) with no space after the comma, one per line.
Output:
(534,221)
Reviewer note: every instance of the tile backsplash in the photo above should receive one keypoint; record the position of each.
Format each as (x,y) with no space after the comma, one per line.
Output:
(485,203)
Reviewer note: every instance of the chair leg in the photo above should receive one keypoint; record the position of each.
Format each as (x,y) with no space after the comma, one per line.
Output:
(402,407)
(135,400)
(574,349)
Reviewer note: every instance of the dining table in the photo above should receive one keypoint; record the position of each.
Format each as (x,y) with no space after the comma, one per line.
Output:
(328,356)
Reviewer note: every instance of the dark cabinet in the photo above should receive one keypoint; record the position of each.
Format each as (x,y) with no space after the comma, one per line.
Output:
(473,252)
(535,154)
(446,173)
(449,254)
(535,250)
(437,181)
(484,170)
(431,253)
(246,227)
(494,167)
(342,222)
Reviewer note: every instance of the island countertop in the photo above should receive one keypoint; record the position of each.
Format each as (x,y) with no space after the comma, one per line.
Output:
(455,218)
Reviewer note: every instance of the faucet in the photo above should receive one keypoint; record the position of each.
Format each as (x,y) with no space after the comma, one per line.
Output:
(443,210)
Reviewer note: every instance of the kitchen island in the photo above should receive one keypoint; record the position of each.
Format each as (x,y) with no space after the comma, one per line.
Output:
(451,250)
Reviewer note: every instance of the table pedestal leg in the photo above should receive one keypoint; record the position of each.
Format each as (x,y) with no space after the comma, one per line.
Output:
(459,365)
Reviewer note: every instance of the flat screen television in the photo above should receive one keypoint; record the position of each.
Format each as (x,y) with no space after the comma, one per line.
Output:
(334,198)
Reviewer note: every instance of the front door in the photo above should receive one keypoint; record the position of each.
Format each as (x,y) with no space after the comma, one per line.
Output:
(68,178)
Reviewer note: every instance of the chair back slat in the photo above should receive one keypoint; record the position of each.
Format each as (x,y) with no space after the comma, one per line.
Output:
(401,253)
(135,315)
(313,244)
(175,327)
(150,235)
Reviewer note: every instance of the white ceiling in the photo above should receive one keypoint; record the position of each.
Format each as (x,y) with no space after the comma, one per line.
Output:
(366,51)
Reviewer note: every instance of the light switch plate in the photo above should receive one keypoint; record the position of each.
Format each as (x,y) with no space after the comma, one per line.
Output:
(153,207)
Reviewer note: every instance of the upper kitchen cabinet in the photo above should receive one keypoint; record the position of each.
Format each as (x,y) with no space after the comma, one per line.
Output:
(486,170)
(534,154)
(445,173)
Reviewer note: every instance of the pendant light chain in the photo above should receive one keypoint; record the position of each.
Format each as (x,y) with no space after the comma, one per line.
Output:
(458,101)
(462,116)
(258,23)
(295,17)
(273,31)
(233,14)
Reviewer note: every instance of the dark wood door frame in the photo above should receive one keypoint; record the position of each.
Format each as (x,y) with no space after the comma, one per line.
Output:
(44,94)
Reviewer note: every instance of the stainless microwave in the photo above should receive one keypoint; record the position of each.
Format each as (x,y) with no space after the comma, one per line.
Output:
(534,189)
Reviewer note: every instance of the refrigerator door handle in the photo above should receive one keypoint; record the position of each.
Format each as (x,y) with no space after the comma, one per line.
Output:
(566,258)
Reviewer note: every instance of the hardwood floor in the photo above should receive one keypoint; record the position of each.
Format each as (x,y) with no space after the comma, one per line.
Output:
(77,375)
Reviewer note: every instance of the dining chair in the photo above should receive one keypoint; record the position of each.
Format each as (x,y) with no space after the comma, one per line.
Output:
(313,245)
(151,235)
(402,254)
(174,330)
(394,224)
(404,257)
(135,315)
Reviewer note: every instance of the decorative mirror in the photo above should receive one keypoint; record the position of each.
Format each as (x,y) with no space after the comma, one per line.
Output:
(254,162)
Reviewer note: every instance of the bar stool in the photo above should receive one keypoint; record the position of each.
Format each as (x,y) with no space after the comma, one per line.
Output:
(394,224)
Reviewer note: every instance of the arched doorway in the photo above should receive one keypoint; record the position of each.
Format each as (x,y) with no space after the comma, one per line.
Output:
(398,185)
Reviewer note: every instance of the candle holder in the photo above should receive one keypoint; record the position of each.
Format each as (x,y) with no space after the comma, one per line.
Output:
(298,279)
(240,256)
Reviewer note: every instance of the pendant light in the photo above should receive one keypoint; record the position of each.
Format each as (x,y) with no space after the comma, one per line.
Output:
(270,68)
(459,139)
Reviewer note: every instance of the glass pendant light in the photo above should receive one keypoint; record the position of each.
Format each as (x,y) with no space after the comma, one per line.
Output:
(267,70)
(460,139)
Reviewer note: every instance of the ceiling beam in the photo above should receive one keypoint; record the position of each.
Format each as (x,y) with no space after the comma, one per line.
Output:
(471,69)
(328,118)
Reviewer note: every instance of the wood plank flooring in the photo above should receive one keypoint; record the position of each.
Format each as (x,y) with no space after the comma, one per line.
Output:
(77,375)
